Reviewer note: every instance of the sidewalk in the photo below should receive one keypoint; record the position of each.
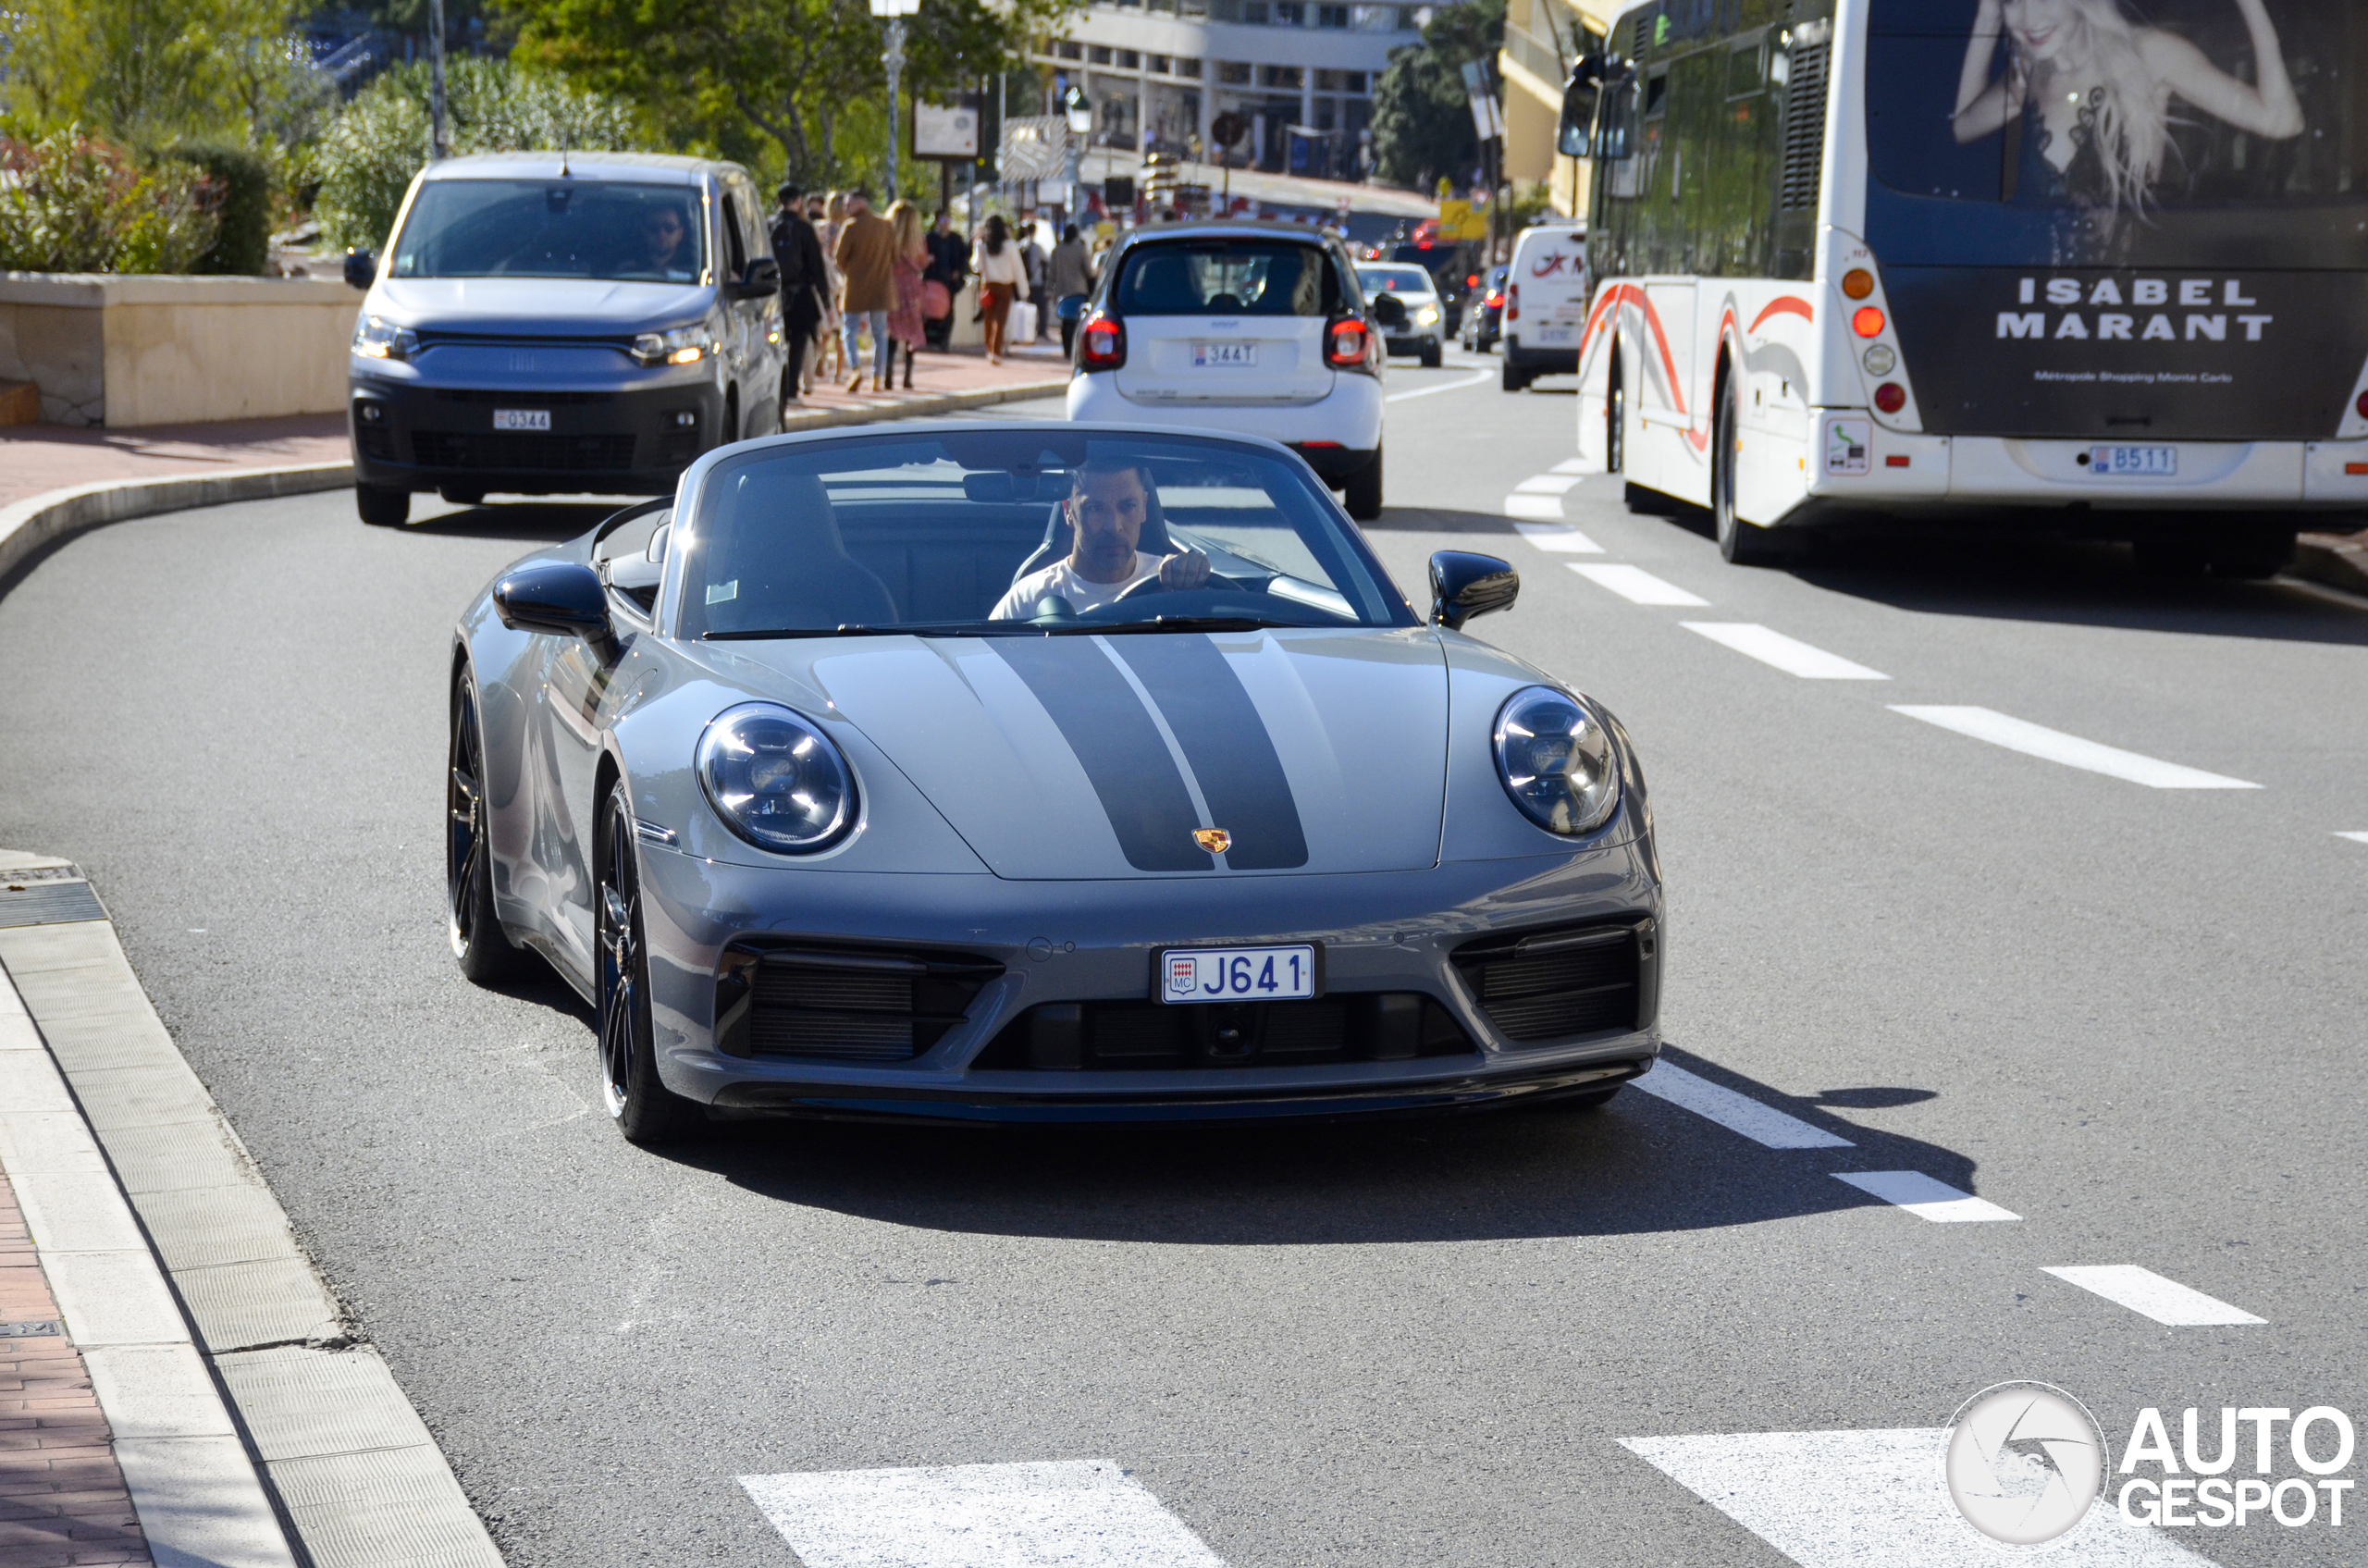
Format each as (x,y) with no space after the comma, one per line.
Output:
(1034,369)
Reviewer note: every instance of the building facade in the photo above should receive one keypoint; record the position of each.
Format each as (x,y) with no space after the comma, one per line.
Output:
(1300,75)
(1543,39)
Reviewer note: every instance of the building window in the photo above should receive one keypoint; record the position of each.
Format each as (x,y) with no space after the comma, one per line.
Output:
(1188,67)
(1157,64)
(1290,13)
(1332,16)
(1352,81)
(1097,54)
(1254,12)
(1068,51)
(1233,72)
(1129,60)
(1283,76)
(1328,81)
(1373,18)
(1411,17)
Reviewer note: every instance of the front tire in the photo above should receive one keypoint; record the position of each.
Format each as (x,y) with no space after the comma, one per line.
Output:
(1433,356)
(479,944)
(1362,494)
(1514,380)
(1615,423)
(645,1110)
(1739,542)
(381,507)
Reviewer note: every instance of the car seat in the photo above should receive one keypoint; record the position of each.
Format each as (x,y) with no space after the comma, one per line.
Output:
(777,532)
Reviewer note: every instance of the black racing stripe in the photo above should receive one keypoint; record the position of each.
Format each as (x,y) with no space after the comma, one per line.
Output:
(1105,723)
(1227,744)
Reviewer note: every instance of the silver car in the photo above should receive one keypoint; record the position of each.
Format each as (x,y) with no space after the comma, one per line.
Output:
(1041,771)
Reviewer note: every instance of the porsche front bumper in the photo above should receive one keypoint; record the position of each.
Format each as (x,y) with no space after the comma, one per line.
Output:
(1052,943)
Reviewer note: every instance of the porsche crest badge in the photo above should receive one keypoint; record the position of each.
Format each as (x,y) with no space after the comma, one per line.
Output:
(1216,841)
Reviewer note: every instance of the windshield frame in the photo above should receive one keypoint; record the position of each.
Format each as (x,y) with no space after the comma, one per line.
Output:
(701,483)
(700,236)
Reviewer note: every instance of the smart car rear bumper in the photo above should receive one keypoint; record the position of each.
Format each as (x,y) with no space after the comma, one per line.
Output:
(1349,414)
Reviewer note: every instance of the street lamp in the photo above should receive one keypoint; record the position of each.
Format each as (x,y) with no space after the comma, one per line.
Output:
(895,11)
(1080,109)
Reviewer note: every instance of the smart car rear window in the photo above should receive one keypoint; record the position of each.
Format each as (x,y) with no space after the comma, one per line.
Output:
(1228,278)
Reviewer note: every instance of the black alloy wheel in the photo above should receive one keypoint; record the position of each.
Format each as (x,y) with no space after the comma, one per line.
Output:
(1615,422)
(645,1110)
(1739,542)
(479,943)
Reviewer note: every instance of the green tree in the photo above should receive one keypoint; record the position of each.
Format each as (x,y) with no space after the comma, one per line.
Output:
(1422,121)
(148,72)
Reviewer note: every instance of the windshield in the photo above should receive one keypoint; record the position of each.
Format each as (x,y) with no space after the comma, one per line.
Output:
(1005,533)
(1395,280)
(1228,278)
(552,228)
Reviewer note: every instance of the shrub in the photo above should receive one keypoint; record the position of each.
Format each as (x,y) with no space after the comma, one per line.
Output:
(69,202)
(237,192)
(377,142)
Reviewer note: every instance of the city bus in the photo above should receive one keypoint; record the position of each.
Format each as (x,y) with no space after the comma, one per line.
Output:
(2067,263)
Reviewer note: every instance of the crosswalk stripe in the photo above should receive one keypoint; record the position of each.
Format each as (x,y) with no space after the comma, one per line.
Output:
(1546,508)
(1579,466)
(1080,1513)
(1925,1197)
(1764,1125)
(1564,541)
(1548,485)
(1774,647)
(1636,585)
(1859,1500)
(2355,837)
(2055,745)
(2146,1293)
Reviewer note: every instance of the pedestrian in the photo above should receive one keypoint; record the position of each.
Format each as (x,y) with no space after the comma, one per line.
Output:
(1031,256)
(826,231)
(949,264)
(804,282)
(911,267)
(867,257)
(1069,274)
(1002,278)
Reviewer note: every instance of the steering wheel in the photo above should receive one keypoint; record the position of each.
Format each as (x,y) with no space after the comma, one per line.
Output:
(1152,584)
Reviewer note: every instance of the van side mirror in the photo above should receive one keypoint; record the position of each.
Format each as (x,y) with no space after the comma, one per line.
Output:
(563,598)
(1389,310)
(1463,584)
(360,269)
(762,277)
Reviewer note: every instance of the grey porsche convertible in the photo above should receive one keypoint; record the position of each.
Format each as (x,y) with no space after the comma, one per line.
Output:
(1026,771)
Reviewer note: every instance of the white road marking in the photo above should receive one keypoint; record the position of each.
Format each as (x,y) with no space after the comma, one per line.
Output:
(1924,1197)
(1873,1500)
(1774,647)
(1549,508)
(1579,466)
(1078,1513)
(1548,485)
(1564,541)
(2055,745)
(2148,1293)
(1442,387)
(1636,585)
(2355,837)
(1763,1125)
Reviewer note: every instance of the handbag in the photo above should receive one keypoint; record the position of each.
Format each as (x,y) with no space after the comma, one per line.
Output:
(936,303)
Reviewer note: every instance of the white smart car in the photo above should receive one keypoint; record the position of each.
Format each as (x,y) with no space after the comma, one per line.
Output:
(1261,328)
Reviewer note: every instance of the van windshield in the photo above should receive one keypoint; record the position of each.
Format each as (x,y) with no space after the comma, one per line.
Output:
(552,228)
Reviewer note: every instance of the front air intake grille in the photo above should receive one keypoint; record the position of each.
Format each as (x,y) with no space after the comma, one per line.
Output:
(376,441)
(1123,1036)
(1553,984)
(511,452)
(848,1005)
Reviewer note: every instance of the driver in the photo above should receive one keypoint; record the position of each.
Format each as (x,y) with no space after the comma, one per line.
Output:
(661,238)
(1106,505)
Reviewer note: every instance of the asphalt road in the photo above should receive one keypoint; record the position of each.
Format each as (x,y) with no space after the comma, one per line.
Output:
(2128,1014)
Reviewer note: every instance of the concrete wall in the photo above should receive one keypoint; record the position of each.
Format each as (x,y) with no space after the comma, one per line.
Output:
(117,351)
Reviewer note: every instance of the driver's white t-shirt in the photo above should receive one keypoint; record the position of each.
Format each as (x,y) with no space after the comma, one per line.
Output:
(1083,593)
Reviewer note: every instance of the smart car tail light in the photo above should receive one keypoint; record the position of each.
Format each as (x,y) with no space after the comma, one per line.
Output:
(1101,344)
(1346,342)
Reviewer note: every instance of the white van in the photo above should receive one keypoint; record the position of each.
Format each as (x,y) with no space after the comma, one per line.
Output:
(1545,303)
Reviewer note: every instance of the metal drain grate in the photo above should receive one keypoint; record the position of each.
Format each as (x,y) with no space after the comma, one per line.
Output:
(40,1328)
(46,903)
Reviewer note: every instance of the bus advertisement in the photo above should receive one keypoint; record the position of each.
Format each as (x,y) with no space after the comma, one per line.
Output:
(2104,270)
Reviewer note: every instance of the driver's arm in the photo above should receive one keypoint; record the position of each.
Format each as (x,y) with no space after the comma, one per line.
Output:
(1185,569)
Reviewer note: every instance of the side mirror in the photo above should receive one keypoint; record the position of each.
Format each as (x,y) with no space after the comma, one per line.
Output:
(1463,584)
(762,277)
(559,597)
(360,269)
(1572,132)
(1389,310)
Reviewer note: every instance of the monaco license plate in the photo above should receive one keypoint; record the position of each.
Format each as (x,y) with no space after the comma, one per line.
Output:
(522,419)
(1236,974)
(2152,463)
(1227,356)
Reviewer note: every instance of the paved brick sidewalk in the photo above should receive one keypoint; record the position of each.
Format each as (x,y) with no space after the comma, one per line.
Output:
(934,375)
(62,1500)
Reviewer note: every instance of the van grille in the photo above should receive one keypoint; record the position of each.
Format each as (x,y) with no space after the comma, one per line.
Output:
(514,450)
(1554,984)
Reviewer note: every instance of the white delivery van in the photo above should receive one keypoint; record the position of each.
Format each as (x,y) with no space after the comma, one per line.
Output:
(1545,303)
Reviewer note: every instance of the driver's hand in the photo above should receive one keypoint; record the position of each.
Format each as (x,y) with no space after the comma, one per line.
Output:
(1185,569)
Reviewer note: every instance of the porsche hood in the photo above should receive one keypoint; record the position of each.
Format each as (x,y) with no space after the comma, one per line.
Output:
(1159,753)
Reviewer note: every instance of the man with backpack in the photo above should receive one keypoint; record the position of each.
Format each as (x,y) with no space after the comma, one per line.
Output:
(799,252)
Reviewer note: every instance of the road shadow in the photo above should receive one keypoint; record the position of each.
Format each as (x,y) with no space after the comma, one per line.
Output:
(1637,1165)
(1440,520)
(529,522)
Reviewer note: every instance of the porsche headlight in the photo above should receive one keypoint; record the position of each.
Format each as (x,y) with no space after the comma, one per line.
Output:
(679,345)
(776,779)
(374,337)
(1556,759)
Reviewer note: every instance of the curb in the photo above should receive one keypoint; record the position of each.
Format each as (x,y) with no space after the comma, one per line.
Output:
(2338,560)
(246,1418)
(30,525)
(940,402)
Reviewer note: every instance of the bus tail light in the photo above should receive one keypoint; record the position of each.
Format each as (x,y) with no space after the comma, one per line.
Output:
(1868,322)
(1891,397)
(2362,405)
(1513,301)
(1857,283)
(1101,345)
(1345,343)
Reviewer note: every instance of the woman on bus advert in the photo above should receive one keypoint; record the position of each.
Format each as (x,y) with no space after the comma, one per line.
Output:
(2093,96)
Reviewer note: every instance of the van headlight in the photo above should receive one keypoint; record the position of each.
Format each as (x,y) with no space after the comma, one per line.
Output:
(375,338)
(775,779)
(1555,756)
(676,345)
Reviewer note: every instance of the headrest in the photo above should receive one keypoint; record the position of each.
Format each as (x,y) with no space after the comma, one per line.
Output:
(775,511)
